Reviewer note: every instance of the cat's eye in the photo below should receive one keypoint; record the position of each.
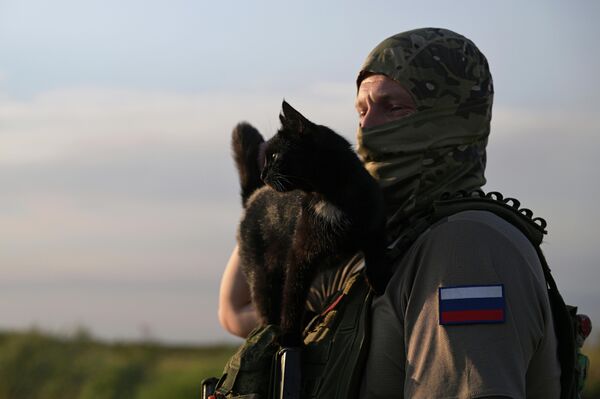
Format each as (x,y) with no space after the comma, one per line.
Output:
(275,156)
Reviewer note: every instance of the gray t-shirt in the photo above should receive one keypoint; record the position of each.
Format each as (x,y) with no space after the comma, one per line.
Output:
(419,346)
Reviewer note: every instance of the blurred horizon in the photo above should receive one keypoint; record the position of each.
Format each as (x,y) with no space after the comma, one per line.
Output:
(119,199)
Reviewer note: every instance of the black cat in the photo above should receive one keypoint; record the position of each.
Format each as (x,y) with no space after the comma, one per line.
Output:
(319,203)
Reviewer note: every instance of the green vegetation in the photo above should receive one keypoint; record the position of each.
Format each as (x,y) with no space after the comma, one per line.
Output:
(592,385)
(34,365)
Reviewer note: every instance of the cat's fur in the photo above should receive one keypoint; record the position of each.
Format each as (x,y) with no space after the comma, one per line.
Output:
(318,203)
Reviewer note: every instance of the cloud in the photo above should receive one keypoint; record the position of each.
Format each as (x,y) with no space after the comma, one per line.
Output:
(59,123)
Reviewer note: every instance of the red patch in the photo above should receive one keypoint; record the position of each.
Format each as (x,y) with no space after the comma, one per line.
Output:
(466,316)
(333,305)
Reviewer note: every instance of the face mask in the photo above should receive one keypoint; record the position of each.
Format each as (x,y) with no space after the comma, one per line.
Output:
(419,157)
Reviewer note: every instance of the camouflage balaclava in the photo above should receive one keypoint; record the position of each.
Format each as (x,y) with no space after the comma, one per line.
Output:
(440,147)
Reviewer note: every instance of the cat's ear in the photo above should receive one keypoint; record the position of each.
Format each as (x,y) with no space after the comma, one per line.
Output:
(293,119)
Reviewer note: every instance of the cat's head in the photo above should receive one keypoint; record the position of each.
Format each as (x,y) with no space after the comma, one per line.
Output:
(289,155)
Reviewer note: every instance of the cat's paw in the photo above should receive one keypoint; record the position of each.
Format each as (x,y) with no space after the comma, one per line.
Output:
(246,144)
(245,138)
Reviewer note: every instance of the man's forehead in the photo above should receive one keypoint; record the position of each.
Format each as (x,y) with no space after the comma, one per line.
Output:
(380,87)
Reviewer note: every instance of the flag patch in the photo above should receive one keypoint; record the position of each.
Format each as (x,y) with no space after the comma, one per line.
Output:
(475,304)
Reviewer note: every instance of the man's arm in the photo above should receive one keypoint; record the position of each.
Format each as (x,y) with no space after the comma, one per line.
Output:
(237,314)
(477,317)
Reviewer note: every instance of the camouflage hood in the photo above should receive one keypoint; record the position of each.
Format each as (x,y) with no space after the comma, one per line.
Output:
(441,146)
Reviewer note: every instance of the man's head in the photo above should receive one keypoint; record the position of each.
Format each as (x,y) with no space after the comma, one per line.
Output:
(424,102)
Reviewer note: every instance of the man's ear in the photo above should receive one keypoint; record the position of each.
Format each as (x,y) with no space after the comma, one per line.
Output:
(292,119)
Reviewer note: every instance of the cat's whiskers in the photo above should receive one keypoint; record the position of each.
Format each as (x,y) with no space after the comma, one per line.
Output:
(285,179)
(280,181)
(299,178)
(278,185)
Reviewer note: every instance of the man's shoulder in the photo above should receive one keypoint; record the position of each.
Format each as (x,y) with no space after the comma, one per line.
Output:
(468,247)
(477,227)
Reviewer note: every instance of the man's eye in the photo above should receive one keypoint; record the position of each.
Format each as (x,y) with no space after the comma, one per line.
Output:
(396,108)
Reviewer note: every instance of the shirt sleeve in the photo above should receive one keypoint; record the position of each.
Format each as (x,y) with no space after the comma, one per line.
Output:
(482,357)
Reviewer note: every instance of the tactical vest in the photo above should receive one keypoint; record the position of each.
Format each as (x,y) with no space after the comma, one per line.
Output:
(336,344)
(337,340)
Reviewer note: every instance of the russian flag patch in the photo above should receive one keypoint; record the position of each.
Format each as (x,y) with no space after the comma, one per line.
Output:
(472,304)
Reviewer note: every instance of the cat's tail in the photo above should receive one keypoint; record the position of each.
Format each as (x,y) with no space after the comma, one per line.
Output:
(246,146)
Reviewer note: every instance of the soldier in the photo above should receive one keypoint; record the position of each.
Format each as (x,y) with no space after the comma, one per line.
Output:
(466,313)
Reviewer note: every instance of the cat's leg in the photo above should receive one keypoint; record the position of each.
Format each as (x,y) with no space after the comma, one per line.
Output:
(245,145)
(274,290)
(299,275)
(267,279)
(261,299)
(257,282)
(252,260)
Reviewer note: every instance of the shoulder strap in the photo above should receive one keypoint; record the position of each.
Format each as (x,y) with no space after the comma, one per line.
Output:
(564,329)
(508,209)
(450,204)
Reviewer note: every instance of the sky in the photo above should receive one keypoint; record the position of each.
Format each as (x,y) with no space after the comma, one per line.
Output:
(118,195)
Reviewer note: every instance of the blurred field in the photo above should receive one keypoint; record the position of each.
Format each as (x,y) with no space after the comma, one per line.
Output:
(592,390)
(35,365)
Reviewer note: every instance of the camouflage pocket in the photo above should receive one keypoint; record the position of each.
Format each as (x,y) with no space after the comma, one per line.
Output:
(247,374)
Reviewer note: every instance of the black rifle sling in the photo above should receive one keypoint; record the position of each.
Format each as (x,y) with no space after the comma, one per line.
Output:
(565,334)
